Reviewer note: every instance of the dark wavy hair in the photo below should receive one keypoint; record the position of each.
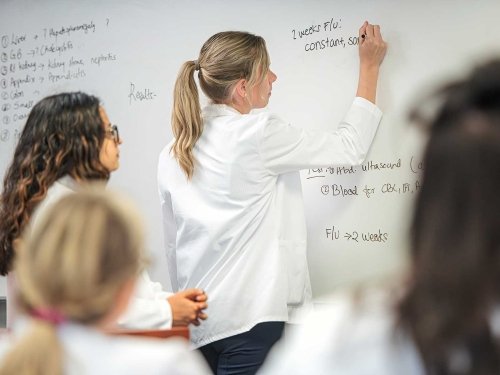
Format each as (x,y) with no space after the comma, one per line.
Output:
(455,241)
(63,135)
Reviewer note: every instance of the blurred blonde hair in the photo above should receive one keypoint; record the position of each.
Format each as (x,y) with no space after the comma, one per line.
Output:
(224,59)
(75,262)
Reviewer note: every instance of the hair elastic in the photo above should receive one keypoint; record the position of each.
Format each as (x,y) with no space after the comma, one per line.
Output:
(196,65)
(48,315)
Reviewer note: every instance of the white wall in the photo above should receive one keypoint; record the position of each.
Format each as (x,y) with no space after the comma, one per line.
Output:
(141,45)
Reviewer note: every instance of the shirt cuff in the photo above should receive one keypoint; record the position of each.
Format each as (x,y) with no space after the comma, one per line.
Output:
(367,105)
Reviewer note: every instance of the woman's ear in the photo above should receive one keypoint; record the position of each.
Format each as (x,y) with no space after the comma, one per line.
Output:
(241,88)
(240,97)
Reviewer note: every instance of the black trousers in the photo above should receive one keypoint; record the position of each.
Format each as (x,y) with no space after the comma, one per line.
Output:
(243,353)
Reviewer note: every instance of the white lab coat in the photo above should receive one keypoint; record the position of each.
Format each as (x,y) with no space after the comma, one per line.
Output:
(88,351)
(351,336)
(148,307)
(237,229)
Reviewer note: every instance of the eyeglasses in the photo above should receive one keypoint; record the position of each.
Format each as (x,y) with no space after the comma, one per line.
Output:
(113,131)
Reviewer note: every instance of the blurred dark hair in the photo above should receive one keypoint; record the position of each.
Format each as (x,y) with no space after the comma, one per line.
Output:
(454,285)
(62,136)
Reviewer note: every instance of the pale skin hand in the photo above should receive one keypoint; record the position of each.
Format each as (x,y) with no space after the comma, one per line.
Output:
(187,307)
(372,49)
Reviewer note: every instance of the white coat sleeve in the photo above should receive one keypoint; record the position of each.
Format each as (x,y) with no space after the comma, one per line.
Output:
(285,148)
(148,307)
(169,226)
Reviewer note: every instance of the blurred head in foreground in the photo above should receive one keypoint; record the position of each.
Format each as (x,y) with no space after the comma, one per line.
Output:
(454,288)
(78,265)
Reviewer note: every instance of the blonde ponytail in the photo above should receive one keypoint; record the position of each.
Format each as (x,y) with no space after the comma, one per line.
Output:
(187,124)
(38,352)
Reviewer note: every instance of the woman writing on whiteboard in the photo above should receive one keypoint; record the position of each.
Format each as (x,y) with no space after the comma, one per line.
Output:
(231,197)
(67,142)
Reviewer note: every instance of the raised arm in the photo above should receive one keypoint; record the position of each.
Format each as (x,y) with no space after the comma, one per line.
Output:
(372,50)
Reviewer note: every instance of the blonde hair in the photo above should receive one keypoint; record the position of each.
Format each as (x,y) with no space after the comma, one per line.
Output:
(224,59)
(85,249)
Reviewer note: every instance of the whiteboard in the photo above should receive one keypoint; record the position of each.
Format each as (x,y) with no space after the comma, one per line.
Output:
(128,53)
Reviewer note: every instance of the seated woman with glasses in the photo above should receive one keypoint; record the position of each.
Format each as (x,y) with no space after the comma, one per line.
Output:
(74,280)
(67,142)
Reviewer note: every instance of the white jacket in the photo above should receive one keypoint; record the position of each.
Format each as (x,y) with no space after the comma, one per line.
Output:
(237,229)
(87,351)
(352,335)
(148,308)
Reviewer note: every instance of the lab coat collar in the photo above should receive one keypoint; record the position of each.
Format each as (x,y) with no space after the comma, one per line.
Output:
(69,182)
(218,110)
